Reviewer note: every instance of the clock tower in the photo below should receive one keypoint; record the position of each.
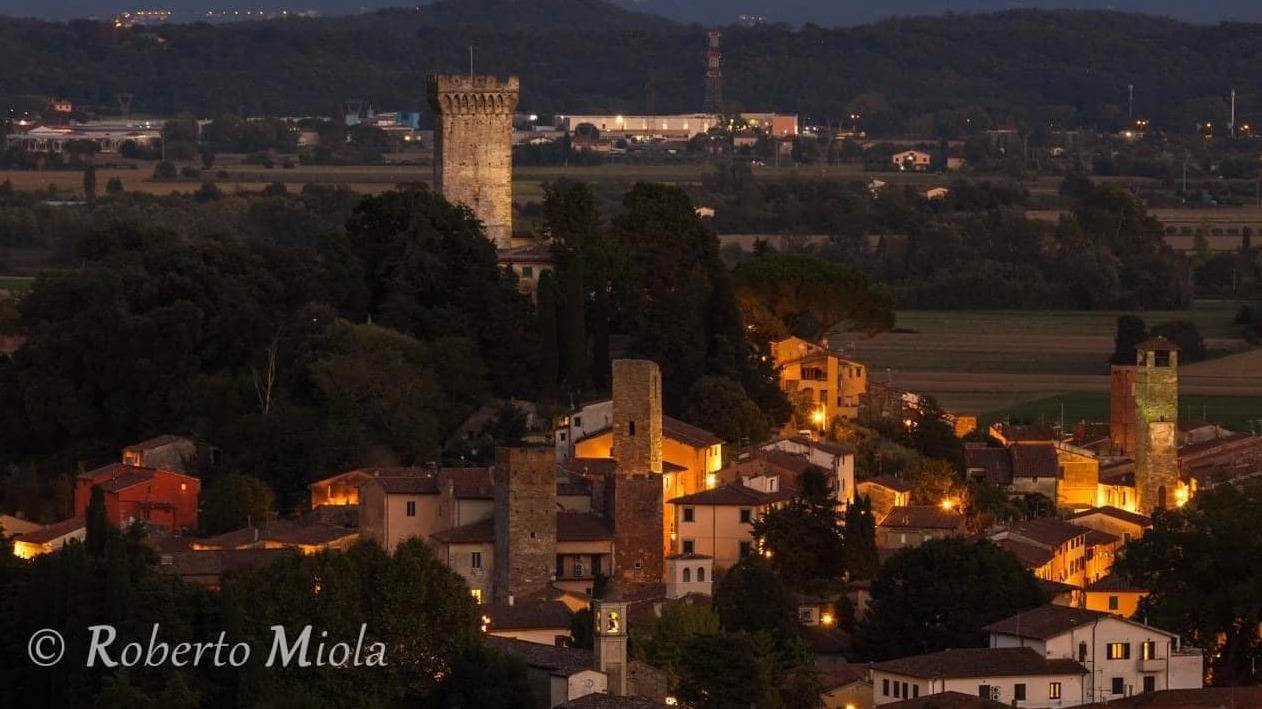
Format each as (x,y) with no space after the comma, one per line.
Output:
(1156,424)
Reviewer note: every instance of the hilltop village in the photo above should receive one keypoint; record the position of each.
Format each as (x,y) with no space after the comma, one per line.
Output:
(603,542)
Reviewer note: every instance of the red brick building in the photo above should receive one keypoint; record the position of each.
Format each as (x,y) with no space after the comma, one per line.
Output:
(159,497)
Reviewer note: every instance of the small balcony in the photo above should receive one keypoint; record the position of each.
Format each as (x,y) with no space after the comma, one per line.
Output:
(1156,664)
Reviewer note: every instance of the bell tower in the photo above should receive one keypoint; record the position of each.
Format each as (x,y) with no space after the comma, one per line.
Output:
(1156,424)
(610,648)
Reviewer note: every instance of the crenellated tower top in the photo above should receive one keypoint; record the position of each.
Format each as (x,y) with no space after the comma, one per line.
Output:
(463,94)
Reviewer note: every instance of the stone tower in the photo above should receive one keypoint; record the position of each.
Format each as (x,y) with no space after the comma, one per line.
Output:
(525,519)
(1156,423)
(1122,408)
(610,646)
(637,416)
(473,151)
(633,492)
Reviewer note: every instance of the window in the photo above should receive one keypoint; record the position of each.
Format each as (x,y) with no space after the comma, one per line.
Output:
(885,687)
(477,594)
(475,560)
(898,690)
(1112,603)
(1018,691)
(411,508)
(1082,652)
(915,691)
(1148,650)
(701,574)
(905,694)
(578,569)
(1053,690)
(183,487)
(689,546)
(1150,683)
(527,271)
(745,549)
(689,514)
(983,690)
(578,422)
(1119,651)
(773,484)
(631,428)
(1117,687)
(745,516)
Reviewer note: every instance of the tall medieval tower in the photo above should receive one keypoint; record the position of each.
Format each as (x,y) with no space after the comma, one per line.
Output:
(525,519)
(633,495)
(1156,423)
(473,152)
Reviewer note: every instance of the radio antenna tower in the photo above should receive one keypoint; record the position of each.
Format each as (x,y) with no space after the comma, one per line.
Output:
(713,73)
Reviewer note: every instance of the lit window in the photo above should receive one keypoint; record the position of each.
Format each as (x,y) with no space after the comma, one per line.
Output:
(1119,651)
(477,594)
(1148,650)
(1053,690)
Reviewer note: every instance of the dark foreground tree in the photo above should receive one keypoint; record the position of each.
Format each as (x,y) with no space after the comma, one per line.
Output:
(931,597)
(1200,566)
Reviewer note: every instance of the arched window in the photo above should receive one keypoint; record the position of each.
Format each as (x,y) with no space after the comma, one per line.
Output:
(687,574)
(701,574)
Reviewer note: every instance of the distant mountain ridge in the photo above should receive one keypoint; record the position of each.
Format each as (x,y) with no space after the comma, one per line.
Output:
(721,12)
(921,75)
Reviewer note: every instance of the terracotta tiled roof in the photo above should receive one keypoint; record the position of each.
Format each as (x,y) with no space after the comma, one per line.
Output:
(480,531)
(1116,513)
(579,527)
(890,482)
(1048,531)
(1115,582)
(600,700)
(788,462)
(158,442)
(997,462)
(840,674)
(310,534)
(947,700)
(1206,698)
(1034,460)
(694,436)
(48,533)
(422,484)
(588,467)
(125,481)
(980,662)
(1031,555)
(922,517)
(470,483)
(560,661)
(1192,450)
(1095,538)
(1046,622)
(733,494)
(526,616)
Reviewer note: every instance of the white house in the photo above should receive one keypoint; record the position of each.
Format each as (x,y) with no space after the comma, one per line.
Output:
(1018,676)
(914,160)
(838,460)
(586,420)
(1123,657)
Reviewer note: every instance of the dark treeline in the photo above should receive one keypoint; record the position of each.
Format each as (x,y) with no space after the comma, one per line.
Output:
(974,247)
(927,76)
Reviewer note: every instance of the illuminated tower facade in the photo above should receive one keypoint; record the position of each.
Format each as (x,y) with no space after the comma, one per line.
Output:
(1156,424)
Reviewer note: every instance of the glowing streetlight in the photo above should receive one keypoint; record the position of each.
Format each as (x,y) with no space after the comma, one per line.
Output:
(948,504)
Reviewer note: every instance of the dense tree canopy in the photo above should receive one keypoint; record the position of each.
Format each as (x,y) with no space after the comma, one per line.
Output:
(1198,566)
(925,598)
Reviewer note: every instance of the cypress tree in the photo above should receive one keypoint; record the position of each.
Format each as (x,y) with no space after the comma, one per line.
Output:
(549,357)
(573,328)
(859,550)
(98,527)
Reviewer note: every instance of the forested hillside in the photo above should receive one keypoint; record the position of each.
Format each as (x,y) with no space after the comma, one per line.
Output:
(941,75)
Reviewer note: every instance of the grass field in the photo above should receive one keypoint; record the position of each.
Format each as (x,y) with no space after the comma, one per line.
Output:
(1238,413)
(1213,318)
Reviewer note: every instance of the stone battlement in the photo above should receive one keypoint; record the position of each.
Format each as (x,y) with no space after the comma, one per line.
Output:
(464,94)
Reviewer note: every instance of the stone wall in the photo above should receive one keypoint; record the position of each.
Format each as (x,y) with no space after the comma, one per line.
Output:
(1156,431)
(634,506)
(473,152)
(525,519)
